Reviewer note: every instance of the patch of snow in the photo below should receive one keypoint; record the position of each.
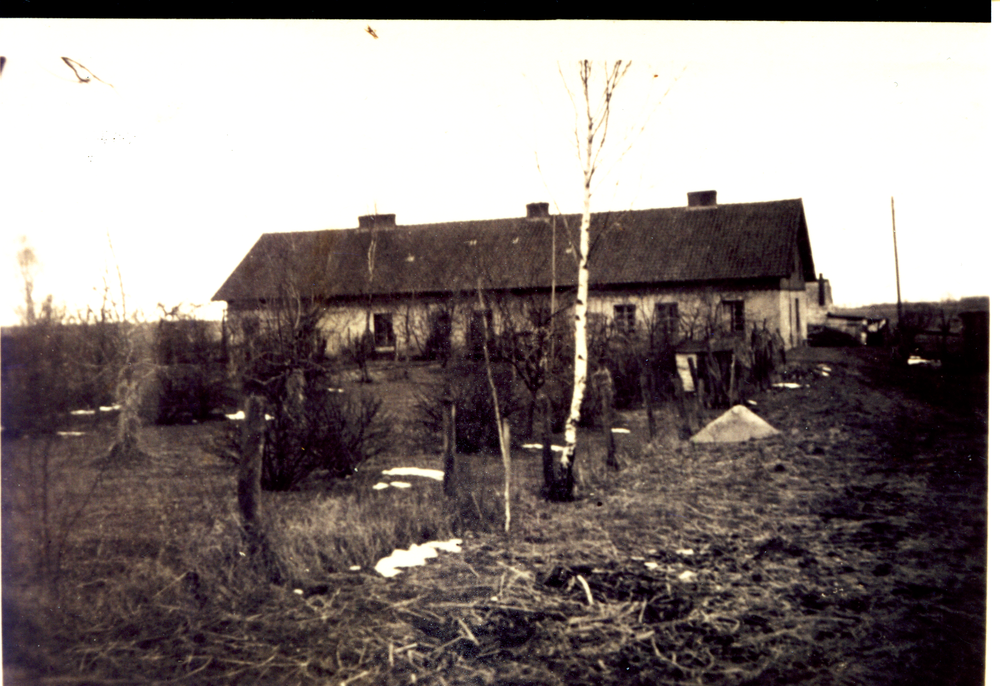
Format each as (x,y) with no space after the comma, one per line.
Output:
(651,565)
(379,486)
(620,431)
(110,408)
(400,484)
(416,556)
(915,360)
(241,415)
(751,402)
(354,568)
(786,384)
(825,368)
(684,551)
(335,390)
(298,591)
(81,412)
(687,576)
(824,373)
(71,433)
(555,448)
(415,471)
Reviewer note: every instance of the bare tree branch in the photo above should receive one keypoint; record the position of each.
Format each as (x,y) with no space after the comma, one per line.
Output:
(73,64)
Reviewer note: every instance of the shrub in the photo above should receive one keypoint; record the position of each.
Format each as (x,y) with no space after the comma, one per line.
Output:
(186,392)
(329,437)
(36,391)
(190,379)
(332,433)
(475,417)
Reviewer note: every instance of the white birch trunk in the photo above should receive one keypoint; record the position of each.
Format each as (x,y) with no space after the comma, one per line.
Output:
(565,481)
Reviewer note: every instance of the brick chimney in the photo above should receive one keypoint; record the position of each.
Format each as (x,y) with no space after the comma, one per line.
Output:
(701,199)
(538,210)
(377,221)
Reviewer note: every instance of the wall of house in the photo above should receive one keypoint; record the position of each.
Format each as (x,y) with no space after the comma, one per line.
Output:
(413,318)
(698,307)
(816,311)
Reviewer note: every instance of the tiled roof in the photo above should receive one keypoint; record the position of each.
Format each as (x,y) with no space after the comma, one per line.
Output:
(673,245)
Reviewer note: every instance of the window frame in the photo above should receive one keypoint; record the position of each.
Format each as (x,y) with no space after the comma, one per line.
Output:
(385,340)
(736,316)
(668,323)
(624,319)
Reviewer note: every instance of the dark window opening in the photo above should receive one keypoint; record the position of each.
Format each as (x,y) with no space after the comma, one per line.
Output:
(667,319)
(625,318)
(735,318)
(439,341)
(384,337)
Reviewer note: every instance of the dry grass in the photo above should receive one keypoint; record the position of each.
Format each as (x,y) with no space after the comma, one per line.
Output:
(848,550)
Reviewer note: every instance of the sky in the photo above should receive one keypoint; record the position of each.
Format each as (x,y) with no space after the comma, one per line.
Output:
(202,135)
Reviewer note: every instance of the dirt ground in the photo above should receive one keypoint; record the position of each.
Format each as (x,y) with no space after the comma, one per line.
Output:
(850,549)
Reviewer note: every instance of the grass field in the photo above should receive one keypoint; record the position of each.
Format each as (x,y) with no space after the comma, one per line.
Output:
(848,550)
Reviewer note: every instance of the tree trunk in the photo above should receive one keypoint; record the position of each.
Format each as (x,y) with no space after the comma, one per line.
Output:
(502,426)
(563,483)
(448,424)
(248,493)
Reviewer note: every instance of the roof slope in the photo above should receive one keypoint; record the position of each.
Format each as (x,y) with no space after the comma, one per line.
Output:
(673,245)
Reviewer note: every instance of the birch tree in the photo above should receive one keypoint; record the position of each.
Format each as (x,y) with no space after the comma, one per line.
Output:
(591,132)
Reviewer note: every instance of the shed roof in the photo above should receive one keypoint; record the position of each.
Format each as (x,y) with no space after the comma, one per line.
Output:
(740,241)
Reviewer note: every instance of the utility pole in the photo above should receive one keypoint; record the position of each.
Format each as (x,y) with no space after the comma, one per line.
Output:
(895,250)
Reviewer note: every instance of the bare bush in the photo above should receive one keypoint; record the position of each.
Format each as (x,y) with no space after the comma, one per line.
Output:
(314,428)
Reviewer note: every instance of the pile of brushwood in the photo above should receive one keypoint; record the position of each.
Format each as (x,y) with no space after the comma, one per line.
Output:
(849,549)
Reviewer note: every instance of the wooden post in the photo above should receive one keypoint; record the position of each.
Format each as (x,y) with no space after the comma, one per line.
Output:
(607,415)
(684,422)
(699,386)
(732,380)
(448,426)
(647,399)
(248,486)
(548,471)
(505,452)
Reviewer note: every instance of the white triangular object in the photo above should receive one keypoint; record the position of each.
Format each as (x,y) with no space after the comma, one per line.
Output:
(736,425)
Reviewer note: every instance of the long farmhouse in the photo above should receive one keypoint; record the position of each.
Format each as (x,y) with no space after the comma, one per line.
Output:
(703,269)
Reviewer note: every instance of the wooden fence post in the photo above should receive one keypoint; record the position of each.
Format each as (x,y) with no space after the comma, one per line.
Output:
(605,388)
(448,424)
(548,471)
(248,486)
(647,399)
(262,557)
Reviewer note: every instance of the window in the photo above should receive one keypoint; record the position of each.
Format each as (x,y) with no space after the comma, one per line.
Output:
(734,318)
(476,334)
(384,338)
(439,341)
(667,319)
(625,318)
